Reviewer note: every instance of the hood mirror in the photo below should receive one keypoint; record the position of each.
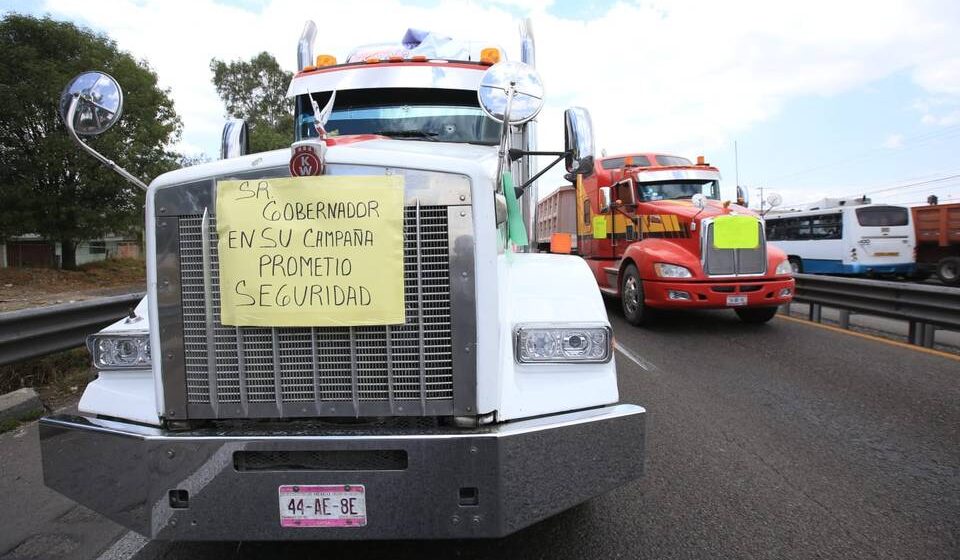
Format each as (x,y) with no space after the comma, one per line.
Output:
(511,92)
(699,201)
(578,140)
(91,103)
(774,199)
(743,196)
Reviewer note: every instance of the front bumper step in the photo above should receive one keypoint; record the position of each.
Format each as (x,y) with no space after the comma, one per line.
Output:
(436,483)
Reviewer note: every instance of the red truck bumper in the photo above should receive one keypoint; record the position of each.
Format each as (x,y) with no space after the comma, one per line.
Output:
(714,295)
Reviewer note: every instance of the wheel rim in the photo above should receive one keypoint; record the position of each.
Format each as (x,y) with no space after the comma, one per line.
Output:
(948,271)
(630,291)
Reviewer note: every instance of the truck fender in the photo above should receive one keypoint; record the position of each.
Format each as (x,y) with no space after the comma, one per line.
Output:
(646,252)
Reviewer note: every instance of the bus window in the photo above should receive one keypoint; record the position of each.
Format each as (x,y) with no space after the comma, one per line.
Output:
(882,216)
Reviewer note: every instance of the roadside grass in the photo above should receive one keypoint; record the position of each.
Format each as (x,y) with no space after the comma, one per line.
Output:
(26,287)
(58,378)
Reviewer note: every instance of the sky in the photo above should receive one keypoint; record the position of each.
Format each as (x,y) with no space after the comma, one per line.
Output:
(820,98)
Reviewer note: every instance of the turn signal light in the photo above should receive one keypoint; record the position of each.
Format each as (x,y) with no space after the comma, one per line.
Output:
(489,56)
(326,60)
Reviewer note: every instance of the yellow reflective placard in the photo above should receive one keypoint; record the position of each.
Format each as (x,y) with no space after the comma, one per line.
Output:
(599,227)
(736,232)
(311,251)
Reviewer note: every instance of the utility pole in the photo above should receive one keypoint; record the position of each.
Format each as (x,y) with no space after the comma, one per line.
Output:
(736,163)
(761,199)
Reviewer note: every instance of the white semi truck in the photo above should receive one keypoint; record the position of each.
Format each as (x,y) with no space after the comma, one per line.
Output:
(490,404)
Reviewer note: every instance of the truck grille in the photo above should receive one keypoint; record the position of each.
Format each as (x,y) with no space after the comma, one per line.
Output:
(324,371)
(734,262)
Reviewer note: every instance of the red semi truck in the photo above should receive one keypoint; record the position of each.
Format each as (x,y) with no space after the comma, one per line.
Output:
(655,234)
(938,240)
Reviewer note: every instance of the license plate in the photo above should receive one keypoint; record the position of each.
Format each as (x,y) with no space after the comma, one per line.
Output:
(338,505)
(733,301)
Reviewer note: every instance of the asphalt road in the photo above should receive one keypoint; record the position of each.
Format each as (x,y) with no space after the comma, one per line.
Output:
(778,441)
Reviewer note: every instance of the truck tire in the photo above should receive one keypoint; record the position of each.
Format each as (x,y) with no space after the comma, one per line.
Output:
(756,314)
(948,271)
(796,263)
(631,296)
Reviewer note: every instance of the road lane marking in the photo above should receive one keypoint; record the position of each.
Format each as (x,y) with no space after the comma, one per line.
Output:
(897,343)
(633,357)
(125,547)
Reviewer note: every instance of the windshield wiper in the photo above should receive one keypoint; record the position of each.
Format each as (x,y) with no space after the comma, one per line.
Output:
(419,134)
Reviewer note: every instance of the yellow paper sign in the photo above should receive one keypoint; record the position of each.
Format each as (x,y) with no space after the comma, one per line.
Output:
(311,251)
(736,232)
(599,227)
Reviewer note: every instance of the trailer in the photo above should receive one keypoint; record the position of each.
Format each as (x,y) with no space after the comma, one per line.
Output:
(556,215)
(937,229)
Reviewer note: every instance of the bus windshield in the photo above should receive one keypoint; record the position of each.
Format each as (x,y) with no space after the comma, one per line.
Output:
(429,114)
(676,190)
(882,216)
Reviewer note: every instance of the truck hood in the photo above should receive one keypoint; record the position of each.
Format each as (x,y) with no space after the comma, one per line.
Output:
(469,159)
(686,209)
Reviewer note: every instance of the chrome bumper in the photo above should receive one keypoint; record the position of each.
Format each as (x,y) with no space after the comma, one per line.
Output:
(517,473)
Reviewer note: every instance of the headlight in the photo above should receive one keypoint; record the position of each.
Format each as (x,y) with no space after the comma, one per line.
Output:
(665,270)
(119,351)
(563,343)
(784,268)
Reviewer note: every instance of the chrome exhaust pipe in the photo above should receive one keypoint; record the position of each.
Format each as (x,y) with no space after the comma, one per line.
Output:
(305,46)
(528,204)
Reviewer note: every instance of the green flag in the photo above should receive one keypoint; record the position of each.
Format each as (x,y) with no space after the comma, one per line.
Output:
(517,232)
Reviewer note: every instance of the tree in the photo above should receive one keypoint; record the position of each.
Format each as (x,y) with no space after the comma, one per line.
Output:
(48,185)
(256,92)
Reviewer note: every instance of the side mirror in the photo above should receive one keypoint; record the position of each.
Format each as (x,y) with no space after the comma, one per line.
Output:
(743,196)
(91,103)
(605,199)
(578,140)
(699,201)
(235,139)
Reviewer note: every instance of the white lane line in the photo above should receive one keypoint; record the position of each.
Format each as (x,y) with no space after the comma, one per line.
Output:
(125,548)
(633,357)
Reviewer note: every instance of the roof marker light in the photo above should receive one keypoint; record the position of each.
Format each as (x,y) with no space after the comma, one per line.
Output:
(372,60)
(395,58)
(418,58)
(326,60)
(490,56)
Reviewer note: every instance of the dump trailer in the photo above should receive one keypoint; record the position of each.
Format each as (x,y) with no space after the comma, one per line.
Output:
(938,241)
(556,214)
(346,339)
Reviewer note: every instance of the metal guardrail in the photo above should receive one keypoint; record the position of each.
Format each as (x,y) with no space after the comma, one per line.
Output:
(30,333)
(925,307)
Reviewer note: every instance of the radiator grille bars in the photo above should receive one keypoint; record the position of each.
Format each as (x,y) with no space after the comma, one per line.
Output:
(269,372)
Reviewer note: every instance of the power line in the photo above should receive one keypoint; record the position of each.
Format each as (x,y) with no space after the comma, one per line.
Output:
(912,142)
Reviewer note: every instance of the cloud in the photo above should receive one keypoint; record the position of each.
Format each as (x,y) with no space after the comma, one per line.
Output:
(893,141)
(682,76)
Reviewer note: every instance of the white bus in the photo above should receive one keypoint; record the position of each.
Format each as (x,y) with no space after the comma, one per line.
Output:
(846,239)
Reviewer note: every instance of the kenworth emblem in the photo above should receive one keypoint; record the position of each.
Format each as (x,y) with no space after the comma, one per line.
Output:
(307,158)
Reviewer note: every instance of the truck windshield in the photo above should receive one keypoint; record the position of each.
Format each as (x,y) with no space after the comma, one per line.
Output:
(438,115)
(678,190)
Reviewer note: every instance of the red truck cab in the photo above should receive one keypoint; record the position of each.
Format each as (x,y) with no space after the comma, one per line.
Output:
(645,225)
